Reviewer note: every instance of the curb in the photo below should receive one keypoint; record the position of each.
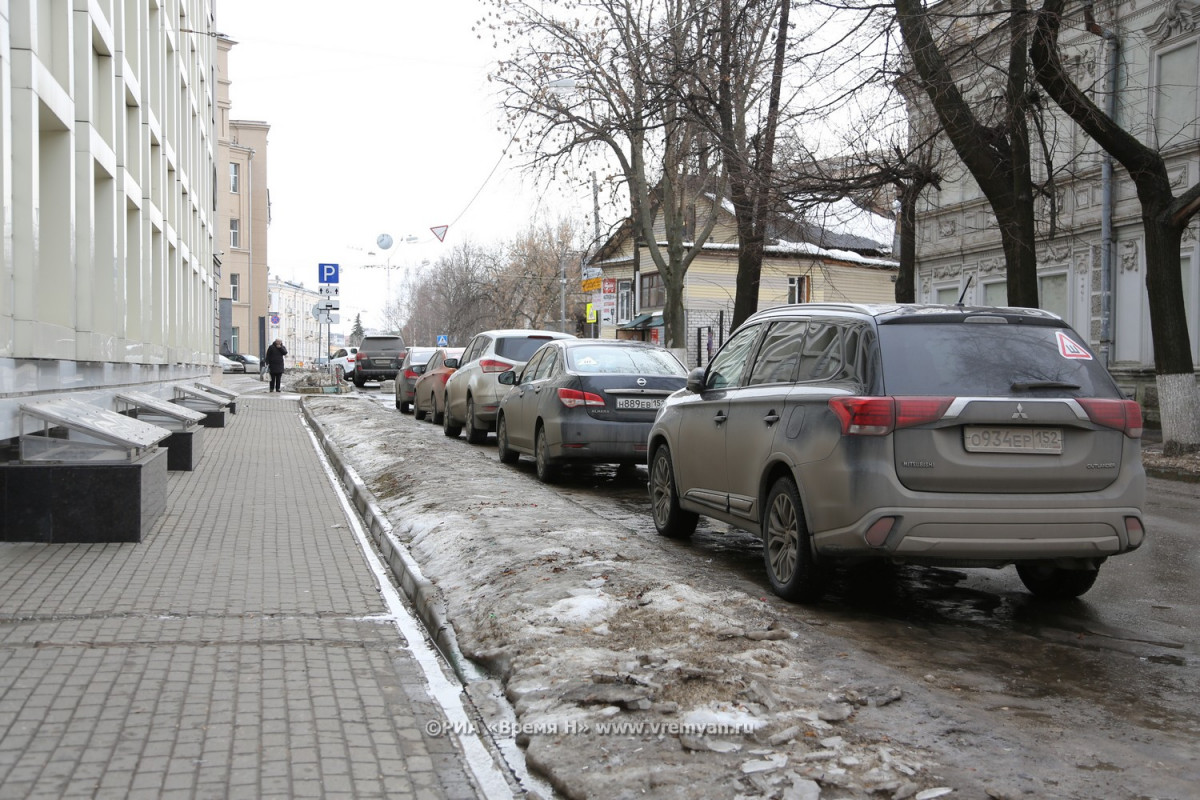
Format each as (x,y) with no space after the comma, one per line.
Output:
(419,590)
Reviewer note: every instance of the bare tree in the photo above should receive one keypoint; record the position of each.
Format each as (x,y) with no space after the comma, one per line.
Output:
(990,132)
(1165,215)
(593,80)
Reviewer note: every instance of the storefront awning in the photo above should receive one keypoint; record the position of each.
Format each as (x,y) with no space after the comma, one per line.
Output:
(643,321)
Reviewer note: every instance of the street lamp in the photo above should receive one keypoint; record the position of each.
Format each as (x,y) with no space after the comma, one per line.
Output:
(384,242)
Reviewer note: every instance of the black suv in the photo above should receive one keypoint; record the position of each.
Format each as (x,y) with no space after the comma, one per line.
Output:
(378,358)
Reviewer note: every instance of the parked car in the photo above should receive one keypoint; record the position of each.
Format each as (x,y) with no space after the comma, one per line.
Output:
(342,362)
(229,365)
(429,395)
(410,369)
(932,435)
(472,392)
(585,401)
(249,363)
(378,358)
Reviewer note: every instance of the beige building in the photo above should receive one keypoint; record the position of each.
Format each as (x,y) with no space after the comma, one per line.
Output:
(243,214)
(107,147)
(837,253)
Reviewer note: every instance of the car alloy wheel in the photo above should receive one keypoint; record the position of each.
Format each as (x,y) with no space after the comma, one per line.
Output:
(448,426)
(669,519)
(506,454)
(546,471)
(791,565)
(475,434)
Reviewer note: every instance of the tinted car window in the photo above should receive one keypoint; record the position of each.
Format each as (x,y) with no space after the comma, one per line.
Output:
(383,344)
(602,359)
(518,348)
(985,360)
(780,352)
(546,368)
(822,357)
(529,373)
(729,363)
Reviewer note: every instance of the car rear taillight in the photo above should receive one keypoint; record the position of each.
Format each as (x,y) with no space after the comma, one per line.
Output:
(879,416)
(573,398)
(360,357)
(410,374)
(1122,415)
(491,365)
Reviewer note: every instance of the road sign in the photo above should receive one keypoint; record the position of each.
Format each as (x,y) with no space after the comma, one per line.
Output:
(330,290)
(443,340)
(330,304)
(327,273)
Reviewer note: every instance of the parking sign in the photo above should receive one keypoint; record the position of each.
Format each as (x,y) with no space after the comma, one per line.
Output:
(327,273)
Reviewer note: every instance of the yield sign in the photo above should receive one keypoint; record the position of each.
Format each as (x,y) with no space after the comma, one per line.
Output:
(440,232)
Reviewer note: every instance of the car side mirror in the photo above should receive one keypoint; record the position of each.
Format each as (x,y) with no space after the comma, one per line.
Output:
(452,363)
(508,378)
(420,370)
(695,380)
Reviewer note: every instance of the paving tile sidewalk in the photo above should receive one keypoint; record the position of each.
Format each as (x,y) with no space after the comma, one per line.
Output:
(232,653)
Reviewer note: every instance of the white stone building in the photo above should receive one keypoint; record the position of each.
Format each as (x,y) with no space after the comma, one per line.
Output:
(107,146)
(291,319)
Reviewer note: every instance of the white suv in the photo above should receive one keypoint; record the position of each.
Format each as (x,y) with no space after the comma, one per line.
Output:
(473,392)
(342,363)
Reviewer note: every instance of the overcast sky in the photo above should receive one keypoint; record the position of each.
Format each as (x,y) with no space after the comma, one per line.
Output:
(381,121)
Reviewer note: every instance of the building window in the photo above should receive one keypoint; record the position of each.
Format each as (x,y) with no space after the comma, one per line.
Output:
(654,292)
(1176,94)
(235,287)
(797,289)
(995,294)
(624,301)
(947,295)
(235,233)
(235,341)
(234,176)
(1052,293)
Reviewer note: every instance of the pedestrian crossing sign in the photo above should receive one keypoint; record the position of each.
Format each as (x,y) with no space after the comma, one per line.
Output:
(443,340)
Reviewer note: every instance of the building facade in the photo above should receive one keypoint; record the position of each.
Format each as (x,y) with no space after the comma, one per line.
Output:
(243,214)
(1146,69)
(107,150)
(291,319)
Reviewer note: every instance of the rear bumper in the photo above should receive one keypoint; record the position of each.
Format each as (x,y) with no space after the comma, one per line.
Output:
(600,441)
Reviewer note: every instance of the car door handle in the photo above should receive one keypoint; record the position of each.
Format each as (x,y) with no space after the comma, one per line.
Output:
(720,418)
(771,418)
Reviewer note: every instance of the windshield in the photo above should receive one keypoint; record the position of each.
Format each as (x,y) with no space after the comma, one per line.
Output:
(989,360)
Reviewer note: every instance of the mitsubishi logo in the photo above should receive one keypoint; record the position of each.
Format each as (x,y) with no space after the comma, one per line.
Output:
(1020,413)
(641,381)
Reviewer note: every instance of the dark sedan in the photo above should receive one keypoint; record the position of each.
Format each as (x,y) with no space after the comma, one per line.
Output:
(406,379)
(585,401)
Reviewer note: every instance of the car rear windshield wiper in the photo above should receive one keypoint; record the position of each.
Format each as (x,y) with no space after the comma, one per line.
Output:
(1022,386)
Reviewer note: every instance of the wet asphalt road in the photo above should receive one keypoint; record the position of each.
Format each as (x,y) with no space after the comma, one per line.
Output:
(1118,668)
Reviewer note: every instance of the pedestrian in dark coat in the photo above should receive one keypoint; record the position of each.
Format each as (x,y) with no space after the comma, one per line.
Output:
(275,354)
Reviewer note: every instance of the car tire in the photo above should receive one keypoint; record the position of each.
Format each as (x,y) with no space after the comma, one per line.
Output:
(360,382)
(418,412)
(1055,583)
(448,427)
(547,472)
(436,417)
(475,435)
(404,406)
(792,566)
(669,519)
(506,454)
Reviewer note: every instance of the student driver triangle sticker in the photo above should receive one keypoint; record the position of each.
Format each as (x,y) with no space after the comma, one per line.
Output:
(1069,348)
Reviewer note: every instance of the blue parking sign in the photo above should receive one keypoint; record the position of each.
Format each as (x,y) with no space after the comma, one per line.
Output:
(327,273)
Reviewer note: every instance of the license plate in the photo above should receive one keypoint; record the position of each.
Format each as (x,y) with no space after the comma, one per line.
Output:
(981,439)
(640,403)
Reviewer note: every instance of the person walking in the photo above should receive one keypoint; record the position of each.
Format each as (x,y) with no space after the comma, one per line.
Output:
(275,354)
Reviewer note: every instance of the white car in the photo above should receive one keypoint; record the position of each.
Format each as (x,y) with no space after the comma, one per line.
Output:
(473,392)
(229,365)
(342,363)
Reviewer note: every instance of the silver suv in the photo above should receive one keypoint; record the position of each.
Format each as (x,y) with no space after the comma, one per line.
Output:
(473,392)
(935,435)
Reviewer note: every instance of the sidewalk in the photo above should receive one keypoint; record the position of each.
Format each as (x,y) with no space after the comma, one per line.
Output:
(242,650)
